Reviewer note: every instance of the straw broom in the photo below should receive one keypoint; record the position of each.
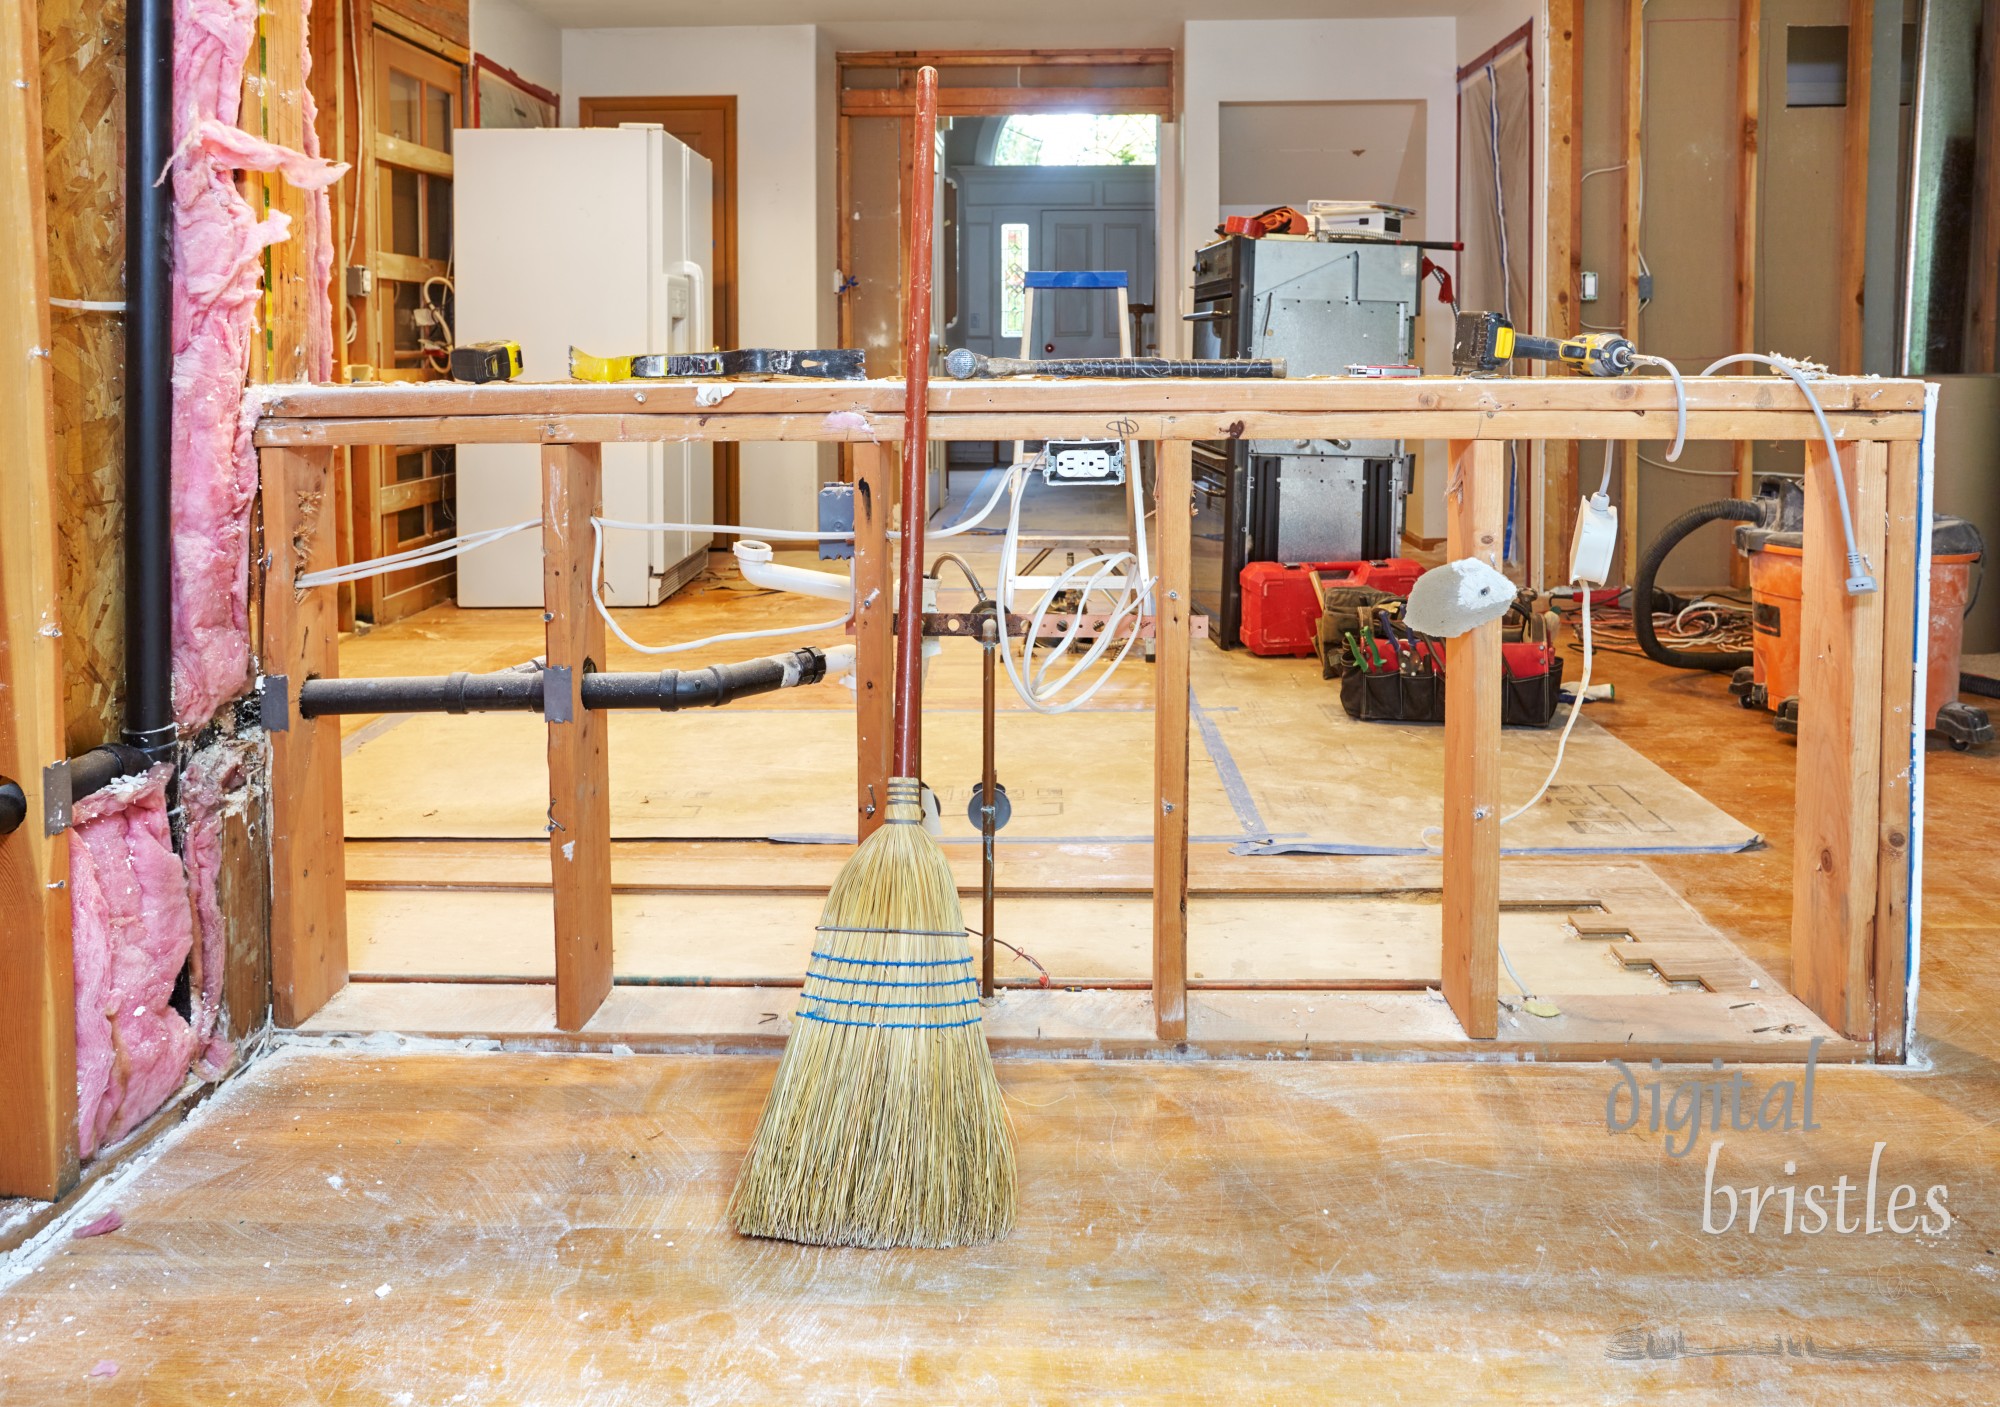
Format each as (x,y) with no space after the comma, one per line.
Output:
(885,1125)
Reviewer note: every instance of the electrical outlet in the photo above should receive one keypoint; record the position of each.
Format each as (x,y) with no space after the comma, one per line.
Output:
(1589,293)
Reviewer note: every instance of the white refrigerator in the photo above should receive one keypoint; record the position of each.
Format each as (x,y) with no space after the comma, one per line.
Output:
(598,238)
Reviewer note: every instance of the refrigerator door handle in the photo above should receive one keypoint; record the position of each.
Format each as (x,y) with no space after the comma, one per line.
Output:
(697,278)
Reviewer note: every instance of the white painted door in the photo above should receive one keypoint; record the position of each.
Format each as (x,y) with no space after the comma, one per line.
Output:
(1080,323)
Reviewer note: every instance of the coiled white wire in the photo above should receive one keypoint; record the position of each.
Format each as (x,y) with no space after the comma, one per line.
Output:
(1037,691)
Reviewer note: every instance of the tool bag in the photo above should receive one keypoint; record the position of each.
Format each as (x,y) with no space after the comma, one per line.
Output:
(1347,611)
(1401,680)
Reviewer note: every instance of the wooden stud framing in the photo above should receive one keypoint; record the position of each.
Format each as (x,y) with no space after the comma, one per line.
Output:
(875,474)
(1853,858)
(579,755)
(1475,524)
(1841,713)
(1902,736)
(1174,544)
(301,642)
(1007,102)
(1982,338)
(37,992)
(1630,233)
(1565,264)
(1851,284)
(1749,87)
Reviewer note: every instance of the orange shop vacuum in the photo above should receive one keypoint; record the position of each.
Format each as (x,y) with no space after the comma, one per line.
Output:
(1769,534)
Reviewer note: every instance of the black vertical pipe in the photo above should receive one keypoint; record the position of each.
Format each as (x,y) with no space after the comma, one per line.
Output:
(149,108)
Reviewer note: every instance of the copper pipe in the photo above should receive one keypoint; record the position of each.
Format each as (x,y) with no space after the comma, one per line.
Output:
(916,425)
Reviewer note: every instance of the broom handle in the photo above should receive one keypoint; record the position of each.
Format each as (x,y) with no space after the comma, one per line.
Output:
(916,415)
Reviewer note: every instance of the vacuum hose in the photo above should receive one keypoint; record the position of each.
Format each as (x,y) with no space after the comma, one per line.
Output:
(1735,510)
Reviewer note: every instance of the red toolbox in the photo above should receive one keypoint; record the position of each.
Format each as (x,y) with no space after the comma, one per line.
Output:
(1281,609)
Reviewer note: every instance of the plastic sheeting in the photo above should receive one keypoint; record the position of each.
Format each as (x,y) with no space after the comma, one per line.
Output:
(132,930)
(218,246)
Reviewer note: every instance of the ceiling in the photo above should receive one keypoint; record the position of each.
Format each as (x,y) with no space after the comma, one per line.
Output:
(856,23)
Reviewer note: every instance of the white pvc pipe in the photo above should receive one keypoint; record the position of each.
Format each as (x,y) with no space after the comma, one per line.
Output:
(753,559)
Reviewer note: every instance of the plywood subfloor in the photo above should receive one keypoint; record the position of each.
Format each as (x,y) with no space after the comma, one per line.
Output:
(369,1227)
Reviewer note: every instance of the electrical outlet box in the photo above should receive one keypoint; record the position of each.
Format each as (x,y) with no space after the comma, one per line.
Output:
(1645,288)
(360,281)
(1596,535)
(1588,294)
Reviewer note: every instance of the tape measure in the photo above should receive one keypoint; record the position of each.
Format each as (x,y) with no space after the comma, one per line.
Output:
(486,361)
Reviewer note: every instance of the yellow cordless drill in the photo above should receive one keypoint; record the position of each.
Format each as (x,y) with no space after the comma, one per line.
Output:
(1486,342)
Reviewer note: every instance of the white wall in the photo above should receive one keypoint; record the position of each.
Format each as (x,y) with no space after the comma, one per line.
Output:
(781,77)
(517,38)
(1268,61)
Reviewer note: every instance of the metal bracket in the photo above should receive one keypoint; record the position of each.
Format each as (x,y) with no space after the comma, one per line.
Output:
(558,694)
(56,798)
(274,704)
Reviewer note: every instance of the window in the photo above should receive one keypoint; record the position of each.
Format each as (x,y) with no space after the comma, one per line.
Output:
(1013,280)
(1078,139)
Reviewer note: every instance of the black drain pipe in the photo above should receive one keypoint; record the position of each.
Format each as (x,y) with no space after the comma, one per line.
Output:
(149,137)
(150,734)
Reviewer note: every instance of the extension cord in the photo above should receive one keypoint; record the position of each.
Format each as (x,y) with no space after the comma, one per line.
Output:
(1596,536)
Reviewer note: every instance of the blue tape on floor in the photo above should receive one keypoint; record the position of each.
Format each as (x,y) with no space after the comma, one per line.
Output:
(1226,770)
(1286,847)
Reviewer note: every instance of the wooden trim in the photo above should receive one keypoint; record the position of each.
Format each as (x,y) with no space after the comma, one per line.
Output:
(1476,520)
(875,474)
(1007,102)
(38,1107)
(301,642)
(1173,650)
(579,759)
(1902,741)
(1836,842)
(1850,286)
(404,268)
(1003,58)
(1749,91)
(1631,221)
(409,30)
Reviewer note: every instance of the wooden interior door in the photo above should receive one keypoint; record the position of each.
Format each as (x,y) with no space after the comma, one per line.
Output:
(708,125)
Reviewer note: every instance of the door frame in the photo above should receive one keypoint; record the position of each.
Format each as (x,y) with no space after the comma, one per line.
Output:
(589,113)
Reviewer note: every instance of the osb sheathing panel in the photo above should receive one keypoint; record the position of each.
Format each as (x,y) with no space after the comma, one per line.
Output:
(83,116)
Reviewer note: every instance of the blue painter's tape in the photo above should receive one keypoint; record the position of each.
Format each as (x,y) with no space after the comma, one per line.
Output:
(890,1006)
(1074,278)
(878,982)
(1227,772)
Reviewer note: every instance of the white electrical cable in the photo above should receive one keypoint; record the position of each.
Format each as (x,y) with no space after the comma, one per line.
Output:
(86,305)
(1037,691)
(1860,574)
(1684,469)
(598,525)
(1575,711)
(1680,401)
(415,557)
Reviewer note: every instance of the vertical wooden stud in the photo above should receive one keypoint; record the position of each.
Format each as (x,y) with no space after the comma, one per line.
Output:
(37,991)
(1749,89)
(1475,524)
(1836,837)
(301,642)
(579,759)
(1902,741)
(875,474)
(1565,34)
(1172,651)
(1632,233)
(1982,339)
(1851,286)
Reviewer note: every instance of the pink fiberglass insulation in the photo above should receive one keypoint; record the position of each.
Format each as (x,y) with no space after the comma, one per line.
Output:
(218,247)
(214,788)
(132,931)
